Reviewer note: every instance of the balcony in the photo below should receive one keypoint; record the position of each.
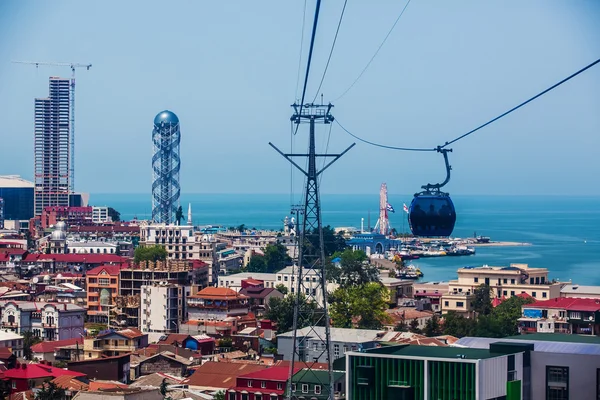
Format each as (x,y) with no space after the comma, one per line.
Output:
(9,324)
(48,325)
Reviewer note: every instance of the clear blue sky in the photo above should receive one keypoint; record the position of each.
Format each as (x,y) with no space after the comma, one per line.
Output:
(228,69)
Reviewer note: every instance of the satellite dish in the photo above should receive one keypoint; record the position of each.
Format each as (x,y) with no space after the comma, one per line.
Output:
(59,276)
(36,279)
(191,358)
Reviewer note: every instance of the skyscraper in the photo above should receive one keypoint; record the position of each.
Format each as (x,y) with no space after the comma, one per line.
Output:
(165,167)
(52,147)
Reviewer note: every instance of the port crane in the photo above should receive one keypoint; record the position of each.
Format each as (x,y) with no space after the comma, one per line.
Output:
(73,66)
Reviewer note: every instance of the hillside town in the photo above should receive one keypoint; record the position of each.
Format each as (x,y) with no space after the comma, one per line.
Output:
(90,307)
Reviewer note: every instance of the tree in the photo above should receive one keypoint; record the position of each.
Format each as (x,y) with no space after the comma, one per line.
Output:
(257,263)
(508,313)
(414,326)
(282,312)
(220,395)
(29,339)
(179,215)
(241,228)
(276,257)
(282,288)
(362,307)
(114,215)
(149,253)
(401,327)
(482,303)
(332,242)
(354,269)
(164,387)
(432,327)
(49,391)
(459,326)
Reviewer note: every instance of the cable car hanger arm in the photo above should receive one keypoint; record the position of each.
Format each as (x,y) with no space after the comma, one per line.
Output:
(430,187)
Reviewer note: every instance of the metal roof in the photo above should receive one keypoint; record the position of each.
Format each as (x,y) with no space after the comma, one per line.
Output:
(559,345)
(14,181)
(345,335)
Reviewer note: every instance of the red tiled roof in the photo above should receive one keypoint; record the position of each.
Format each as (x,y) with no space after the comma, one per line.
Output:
(69,382)
(96,385)
(51,346)
(218,293)
(5,353)
(113,270)
(220,374)
(130,333)
(35,371)
(174,338)
(255,293)
(567,303)
(525,296)
(280,374)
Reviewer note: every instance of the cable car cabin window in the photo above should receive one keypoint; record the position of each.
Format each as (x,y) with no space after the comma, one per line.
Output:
(432,215)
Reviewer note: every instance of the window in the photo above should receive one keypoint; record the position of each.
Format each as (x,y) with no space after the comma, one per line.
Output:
(512,281)
(446,303)
(317,389)
(531,280)
(315,346)
(512,292)
(505,281)
(244,396)
(345,349)
(544,295)
(293,387)
(280,386)
(460,304)
(278,277)
(250,383)
(557,383)
(487,281)
(263,384)
(504,293)
(534,294)
(285,278)
(336,350)
(231,395)
(475,280)
(304,388)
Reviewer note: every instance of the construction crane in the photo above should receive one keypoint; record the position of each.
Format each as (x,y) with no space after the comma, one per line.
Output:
(73,66)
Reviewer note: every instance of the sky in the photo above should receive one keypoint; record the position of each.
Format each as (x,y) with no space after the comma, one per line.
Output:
(229,71)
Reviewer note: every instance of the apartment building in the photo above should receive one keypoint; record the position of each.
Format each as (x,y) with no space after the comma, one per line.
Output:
(48,321)
(102,291)
(504,283)
(100,215)
(162,307)
(562,315)
(216,304)
(287,277)
(178,240)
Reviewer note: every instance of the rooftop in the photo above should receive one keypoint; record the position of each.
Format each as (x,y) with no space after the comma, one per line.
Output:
(410,350)
(544,342)
(51,346)
(316,376)
(36,371)
(512,269)
(7,335)
(567,303)
(220,374)
(218,293)
(14,181)
(341,334)
(130,333)
(280,374)
(581,290)
(262,276)
(113,270)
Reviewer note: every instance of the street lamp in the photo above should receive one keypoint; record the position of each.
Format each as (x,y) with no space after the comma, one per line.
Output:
(176,327)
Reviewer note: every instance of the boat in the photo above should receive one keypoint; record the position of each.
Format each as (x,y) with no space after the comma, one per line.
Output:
(409,272)
(460,251)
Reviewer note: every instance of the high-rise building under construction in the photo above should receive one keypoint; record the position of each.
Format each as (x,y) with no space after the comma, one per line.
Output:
(52,147)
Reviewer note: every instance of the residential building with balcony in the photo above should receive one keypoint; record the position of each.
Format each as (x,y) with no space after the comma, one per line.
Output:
(216,304)
(178,240)
(115,343)
(308,384)
(562,315)
(229,261)
(102,290)
(258,295)
(287,277)
(206,249)
(70,215)
(267,384)
(162,307)
(48,321)
(100,215)
(235,281)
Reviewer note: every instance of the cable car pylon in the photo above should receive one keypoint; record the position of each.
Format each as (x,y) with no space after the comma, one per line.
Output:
(310,308)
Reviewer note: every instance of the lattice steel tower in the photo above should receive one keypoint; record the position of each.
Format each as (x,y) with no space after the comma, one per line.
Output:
(165,167)
(310,311)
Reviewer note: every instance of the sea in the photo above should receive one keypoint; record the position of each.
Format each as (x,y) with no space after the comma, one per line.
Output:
(564,231)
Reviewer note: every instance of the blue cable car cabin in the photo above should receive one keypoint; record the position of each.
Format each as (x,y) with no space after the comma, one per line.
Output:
(431,215)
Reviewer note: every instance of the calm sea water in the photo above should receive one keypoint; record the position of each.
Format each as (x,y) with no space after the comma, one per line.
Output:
(564,231)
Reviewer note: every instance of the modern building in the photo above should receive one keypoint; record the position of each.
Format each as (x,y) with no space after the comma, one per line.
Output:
(100,215)
(504,283)
(178,240)
(72,216)
(432,373)
(48,321)
(555,366)
(342,340)
(162,307)
(562,315)
(17,194)
(102,291)
(217,304)
(166,163)
(307,384)
(52,146)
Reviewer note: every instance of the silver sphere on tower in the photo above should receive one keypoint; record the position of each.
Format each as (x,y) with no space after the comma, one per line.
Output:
(165,167)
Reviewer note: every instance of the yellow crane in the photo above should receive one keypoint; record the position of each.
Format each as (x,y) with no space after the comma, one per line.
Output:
(73,66)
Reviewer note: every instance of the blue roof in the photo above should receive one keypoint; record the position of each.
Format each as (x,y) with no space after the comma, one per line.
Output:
(166,116)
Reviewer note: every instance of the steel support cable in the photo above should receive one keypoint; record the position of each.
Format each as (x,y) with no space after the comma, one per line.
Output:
(480,126)
(310,52)
(337,31)
(301,49)
(374,55)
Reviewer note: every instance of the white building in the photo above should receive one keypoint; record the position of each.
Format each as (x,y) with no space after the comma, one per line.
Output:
(229,261)
(92,247)
(235,281)
(162,306)
(178,240)
(100,215)
(13,341)
(287,277)
(49,321)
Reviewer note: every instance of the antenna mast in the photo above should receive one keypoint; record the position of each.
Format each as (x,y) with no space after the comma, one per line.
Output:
(310,309)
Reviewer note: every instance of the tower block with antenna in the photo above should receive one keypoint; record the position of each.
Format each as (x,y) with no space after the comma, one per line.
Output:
(310,310)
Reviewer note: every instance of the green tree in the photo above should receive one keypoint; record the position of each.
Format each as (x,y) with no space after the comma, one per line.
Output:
(354,269)
(459,326)
(414,326)
(149,253)
(49,391)
(241,228)
(508,313)
(29,339)
(281,311)
(114,215)
(401,327)
(179,215)
(220,395)
(282,289)
(276,257)
(257,263)
(432,327)
(362,307)
(332,242)
(482,303)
